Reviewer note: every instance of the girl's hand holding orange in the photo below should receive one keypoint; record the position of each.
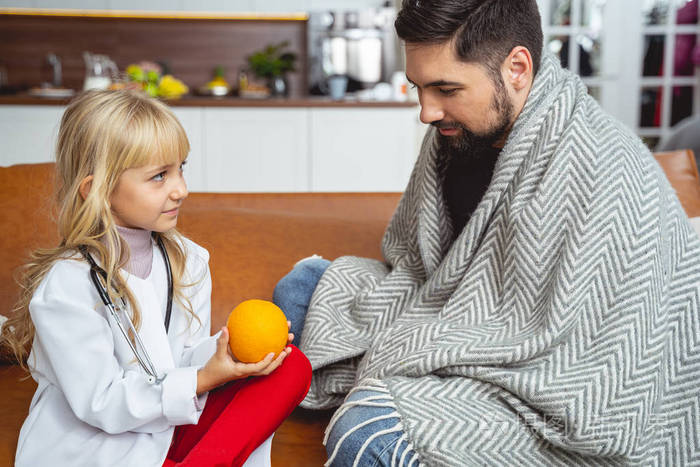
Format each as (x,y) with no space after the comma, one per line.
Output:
(222,367)
(258,330)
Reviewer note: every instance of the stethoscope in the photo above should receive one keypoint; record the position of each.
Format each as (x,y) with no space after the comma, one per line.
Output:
(136,346)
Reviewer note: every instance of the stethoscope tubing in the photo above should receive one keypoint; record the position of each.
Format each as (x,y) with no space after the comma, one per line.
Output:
(147,366)
(144,361)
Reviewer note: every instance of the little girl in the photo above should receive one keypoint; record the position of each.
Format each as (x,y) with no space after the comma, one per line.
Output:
(118,315)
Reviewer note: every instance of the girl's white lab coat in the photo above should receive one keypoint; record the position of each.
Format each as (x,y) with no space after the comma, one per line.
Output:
(94,405)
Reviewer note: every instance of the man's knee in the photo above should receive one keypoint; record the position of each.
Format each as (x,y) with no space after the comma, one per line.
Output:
(299,283)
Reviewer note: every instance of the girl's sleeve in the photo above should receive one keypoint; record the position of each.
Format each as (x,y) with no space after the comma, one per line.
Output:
(75,349)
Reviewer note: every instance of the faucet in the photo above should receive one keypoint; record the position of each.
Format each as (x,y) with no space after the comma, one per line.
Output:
(55,63)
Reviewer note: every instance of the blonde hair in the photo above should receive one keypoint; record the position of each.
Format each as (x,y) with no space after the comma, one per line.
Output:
(102,134)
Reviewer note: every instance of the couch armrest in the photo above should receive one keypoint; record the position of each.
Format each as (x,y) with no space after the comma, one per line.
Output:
(682,172)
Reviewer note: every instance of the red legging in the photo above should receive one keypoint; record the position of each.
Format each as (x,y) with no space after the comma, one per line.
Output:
(239,416)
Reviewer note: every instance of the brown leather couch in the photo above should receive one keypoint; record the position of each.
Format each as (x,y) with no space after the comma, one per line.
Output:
(253,240)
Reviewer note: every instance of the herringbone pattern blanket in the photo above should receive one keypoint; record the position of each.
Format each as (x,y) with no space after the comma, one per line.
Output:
(561,327)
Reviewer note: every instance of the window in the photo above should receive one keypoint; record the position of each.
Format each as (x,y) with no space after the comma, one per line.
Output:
(574,30)
(669,81)
(634,56)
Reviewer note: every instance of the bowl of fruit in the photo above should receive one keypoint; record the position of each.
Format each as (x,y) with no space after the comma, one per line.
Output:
(150,78)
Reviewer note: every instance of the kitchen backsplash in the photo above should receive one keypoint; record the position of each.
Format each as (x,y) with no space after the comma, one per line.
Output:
(191,48)
(198,5)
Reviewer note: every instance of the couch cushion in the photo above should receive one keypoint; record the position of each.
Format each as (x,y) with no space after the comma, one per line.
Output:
(26,212)
(682,172)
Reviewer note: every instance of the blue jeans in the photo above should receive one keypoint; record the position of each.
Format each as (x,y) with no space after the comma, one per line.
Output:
(367,431)
(366,426)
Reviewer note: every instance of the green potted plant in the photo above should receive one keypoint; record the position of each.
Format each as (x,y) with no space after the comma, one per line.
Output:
(272,63)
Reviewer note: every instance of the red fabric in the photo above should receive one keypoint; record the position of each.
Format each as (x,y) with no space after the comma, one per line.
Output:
(239,416)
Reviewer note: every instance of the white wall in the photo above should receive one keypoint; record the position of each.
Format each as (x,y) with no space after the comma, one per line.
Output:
(263,6)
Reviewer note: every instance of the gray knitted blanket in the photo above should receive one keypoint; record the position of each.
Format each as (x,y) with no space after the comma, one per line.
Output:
(561,327)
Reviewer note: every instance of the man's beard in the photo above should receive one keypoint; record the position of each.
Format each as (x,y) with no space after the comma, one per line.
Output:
(473,144)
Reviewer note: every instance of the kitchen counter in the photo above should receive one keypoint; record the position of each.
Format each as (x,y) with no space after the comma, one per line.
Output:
(193,101)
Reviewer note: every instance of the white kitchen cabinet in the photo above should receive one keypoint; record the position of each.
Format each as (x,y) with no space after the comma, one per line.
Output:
(254,150)
(28,133)
(360,149)
(192,119)
(251,149)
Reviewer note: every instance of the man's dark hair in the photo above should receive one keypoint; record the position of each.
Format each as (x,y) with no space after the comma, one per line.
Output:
(485,31)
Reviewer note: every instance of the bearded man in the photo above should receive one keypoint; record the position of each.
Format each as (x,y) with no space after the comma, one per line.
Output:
(538,299)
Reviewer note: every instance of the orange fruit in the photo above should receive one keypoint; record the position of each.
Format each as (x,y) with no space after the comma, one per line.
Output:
(256,328)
